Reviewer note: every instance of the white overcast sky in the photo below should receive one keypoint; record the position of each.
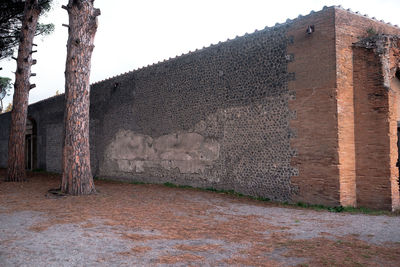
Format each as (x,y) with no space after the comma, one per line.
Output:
(135,33)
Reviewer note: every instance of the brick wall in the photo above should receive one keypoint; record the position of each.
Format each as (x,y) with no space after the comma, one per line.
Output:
(349,29)
(394,119)
(394,105)
(371,131)
(315,106)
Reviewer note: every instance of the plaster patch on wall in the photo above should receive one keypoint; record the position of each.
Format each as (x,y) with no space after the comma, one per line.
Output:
(189,152)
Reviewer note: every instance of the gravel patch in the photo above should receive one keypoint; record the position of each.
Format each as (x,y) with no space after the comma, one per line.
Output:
(306,224)
(151,225)
(101,245)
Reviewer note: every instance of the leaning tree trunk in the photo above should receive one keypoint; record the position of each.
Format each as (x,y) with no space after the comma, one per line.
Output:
(77,176)
(16,142)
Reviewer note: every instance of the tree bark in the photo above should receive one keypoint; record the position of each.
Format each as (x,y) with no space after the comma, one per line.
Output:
(77,176)
(16,143)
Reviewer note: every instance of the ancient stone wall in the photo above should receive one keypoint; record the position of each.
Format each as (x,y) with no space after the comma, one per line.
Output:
(5,120)
(48,116)
(269,114)
(217,117)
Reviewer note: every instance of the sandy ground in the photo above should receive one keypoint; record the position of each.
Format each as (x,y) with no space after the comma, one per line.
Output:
(153,225)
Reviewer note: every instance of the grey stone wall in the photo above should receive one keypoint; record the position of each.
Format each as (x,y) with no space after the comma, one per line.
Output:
(54,135)
(48,116)
(217,117)
(5,120)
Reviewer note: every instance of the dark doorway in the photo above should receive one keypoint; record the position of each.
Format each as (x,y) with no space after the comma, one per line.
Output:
(30,144)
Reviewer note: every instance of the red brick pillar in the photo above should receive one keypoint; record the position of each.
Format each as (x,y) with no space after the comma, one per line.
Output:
(375,108)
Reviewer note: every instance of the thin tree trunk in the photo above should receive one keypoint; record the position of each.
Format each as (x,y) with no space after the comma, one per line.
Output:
(16,143)
(77,176)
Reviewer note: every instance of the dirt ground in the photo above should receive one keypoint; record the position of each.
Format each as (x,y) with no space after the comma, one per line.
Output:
(154,225)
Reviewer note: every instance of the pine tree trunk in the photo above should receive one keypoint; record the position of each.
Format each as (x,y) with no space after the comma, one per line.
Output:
(16,142)
(77,176)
